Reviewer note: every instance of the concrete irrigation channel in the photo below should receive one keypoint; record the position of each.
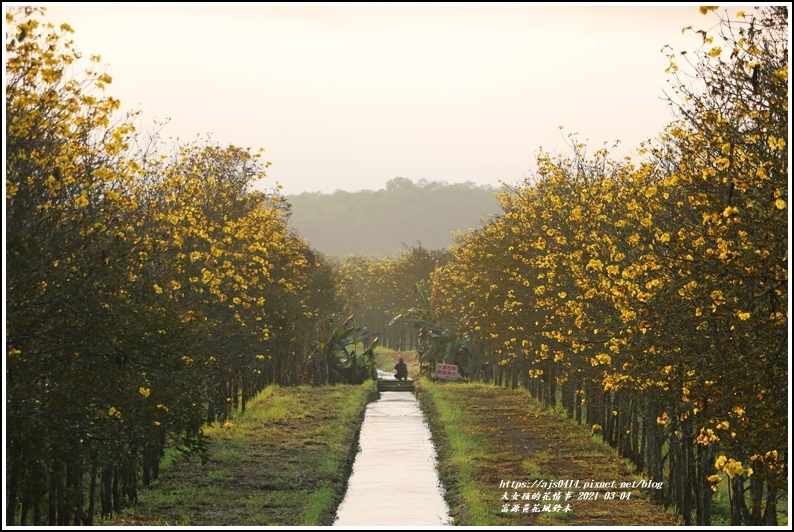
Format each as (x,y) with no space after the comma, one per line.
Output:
(394,480)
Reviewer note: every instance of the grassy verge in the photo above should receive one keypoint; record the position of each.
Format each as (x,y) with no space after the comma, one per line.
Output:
(285,461)
(490,439)
(386,358)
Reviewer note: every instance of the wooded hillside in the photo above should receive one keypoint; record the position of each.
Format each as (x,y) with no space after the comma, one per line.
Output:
(381,222)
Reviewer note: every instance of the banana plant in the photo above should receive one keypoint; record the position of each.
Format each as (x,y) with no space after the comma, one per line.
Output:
(435,341)
(344,363)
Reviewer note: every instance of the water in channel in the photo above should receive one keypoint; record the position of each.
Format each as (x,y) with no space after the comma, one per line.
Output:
(394,480)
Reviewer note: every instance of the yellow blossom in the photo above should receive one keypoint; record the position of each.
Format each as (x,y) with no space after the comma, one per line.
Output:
(733,468)
(777,143)
(707,436)
(594,264)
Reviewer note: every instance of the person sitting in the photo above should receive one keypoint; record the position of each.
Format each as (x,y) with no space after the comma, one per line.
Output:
(402,370)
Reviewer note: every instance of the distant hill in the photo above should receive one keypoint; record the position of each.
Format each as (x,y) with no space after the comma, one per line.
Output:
(383,222)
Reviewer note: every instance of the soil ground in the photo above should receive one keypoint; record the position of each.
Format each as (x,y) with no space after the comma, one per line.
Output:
(517,440)
(284,467)
(293,470)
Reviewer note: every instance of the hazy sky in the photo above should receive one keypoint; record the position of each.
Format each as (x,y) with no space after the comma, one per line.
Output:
(349,96)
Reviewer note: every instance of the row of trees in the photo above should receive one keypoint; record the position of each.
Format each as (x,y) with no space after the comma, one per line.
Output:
(651,300)
(381,288)
(147,292)
(648,300)
(150,293)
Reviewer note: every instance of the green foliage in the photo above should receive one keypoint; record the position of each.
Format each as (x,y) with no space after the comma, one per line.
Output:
(435,341)
(317,504)
(339,353)
(373,287)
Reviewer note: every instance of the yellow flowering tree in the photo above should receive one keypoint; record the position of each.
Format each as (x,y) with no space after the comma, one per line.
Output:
(652,297)
(69,169)
(147,294)
(727,196)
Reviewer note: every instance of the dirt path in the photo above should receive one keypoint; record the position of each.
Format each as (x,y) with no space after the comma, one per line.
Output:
(516,447)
